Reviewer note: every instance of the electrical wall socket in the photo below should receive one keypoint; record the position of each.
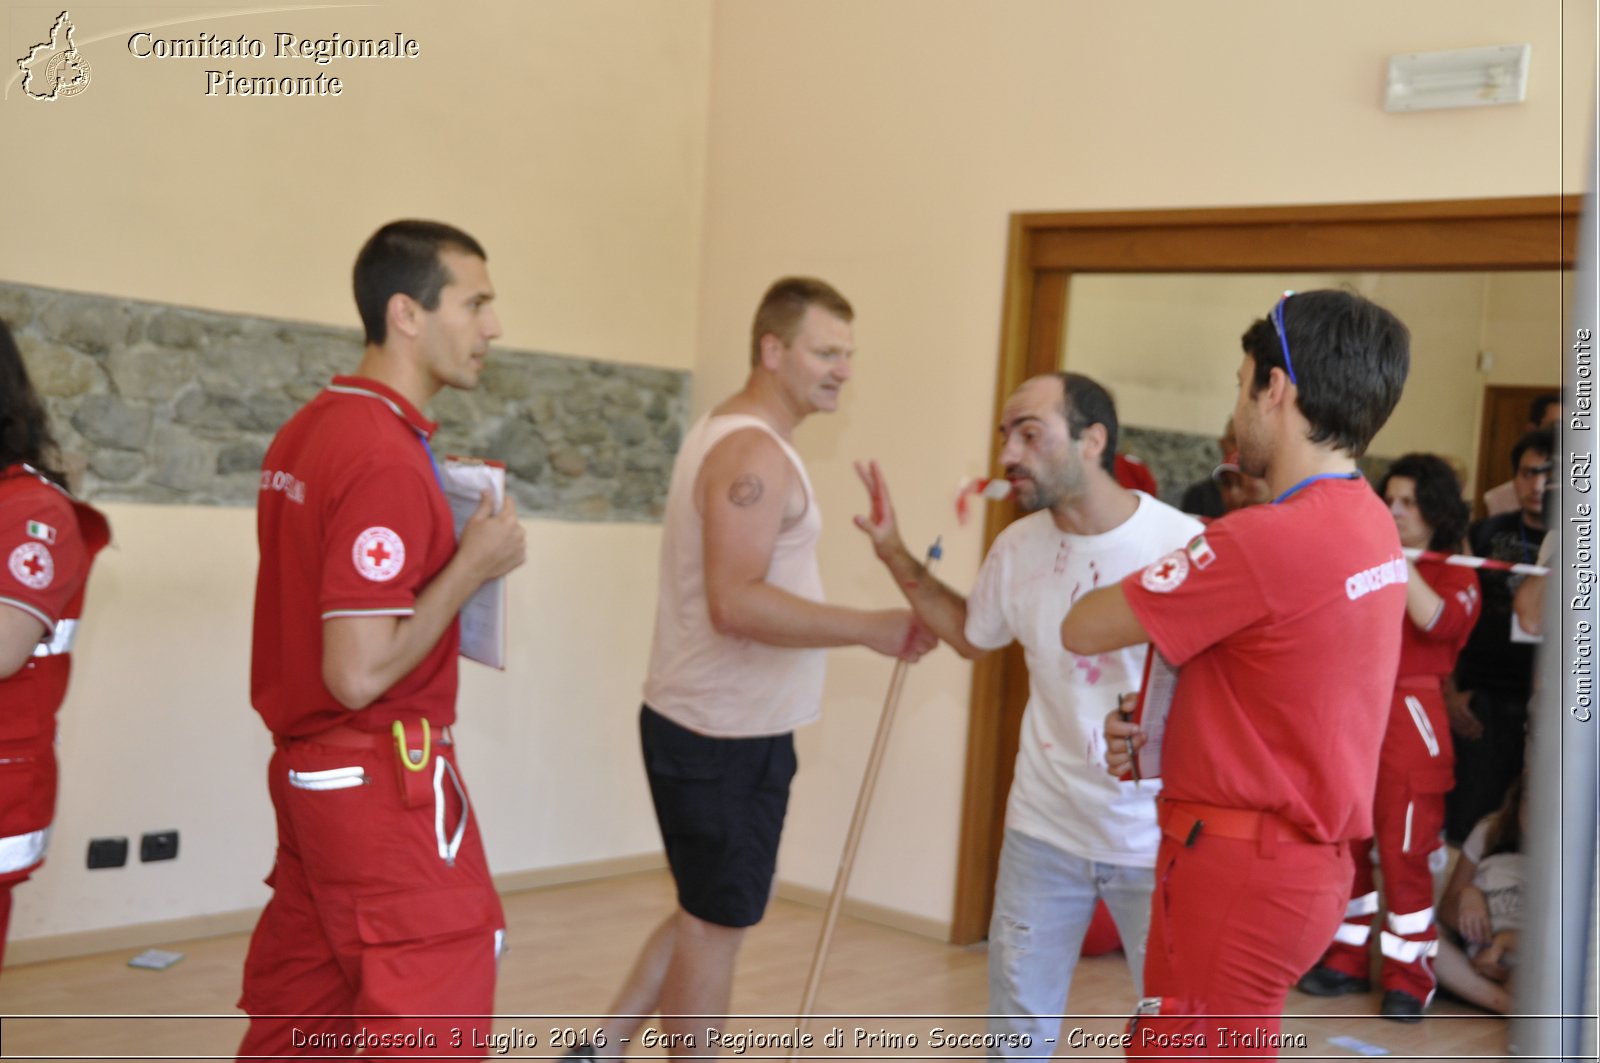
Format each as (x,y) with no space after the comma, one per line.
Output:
(107,852)
(158,845)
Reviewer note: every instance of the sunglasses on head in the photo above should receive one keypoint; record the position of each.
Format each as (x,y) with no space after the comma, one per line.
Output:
(1283,336)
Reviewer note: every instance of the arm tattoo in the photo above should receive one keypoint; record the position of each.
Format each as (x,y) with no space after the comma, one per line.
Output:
(746,490)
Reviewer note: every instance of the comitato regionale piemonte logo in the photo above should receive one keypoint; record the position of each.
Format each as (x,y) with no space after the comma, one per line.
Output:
(54,69)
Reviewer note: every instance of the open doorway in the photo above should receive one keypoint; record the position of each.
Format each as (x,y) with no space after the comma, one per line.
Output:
(1046,250)
(1505,420)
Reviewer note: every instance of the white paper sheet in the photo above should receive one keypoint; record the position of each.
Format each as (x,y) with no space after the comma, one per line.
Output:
(483,617)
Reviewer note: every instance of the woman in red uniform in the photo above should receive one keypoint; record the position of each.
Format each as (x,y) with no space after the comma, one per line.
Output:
(1416,767)
(47,541)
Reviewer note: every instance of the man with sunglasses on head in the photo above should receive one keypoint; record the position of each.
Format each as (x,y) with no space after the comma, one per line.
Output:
(1284,620)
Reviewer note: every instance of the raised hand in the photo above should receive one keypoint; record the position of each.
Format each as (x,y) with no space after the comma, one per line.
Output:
(879,524)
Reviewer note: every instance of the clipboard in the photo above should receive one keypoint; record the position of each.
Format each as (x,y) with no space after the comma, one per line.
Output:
(483,617)
(1150,712)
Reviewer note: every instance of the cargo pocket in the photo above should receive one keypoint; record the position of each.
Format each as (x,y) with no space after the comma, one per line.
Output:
(421,915)
(428,952)
(27,792)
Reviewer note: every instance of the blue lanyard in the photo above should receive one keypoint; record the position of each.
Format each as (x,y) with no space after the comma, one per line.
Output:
(1313,479)
(437,475)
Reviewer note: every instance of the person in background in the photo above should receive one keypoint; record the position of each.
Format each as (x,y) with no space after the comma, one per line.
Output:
(1487,698)
(1482,907)
(1237,488)
(1135,475)
(1416,765)
(1545,412)
(1203,498)
(49,541)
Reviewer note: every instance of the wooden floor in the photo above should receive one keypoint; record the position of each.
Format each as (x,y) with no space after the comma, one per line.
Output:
(571,945)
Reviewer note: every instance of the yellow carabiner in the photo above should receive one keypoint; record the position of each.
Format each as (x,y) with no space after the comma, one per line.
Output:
(405,755)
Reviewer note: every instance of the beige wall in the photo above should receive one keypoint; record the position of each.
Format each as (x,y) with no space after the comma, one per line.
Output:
(882,144)
(571,139)
(640,170)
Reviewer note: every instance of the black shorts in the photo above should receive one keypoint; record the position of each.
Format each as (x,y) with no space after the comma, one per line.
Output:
(720,805)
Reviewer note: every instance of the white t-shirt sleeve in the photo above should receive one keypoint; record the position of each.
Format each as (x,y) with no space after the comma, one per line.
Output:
(987,626)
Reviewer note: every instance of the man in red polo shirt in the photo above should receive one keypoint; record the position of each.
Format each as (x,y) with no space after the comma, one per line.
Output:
(1285,622)
(382,905)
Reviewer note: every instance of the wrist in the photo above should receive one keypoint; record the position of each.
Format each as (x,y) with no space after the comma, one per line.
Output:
(902,566)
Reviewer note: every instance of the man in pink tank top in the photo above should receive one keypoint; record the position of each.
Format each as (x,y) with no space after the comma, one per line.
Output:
(737,662)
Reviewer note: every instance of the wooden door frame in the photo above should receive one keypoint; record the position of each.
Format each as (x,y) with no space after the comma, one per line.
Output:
(1044,250)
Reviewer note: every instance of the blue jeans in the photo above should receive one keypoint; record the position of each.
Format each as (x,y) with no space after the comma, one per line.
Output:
(1044,899)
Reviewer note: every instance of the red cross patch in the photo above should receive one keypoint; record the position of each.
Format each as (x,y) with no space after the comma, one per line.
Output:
(32,565)
(1166,574)
(379,554)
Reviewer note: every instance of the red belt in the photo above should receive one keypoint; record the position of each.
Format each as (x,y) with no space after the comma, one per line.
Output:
(1186,821)
(348,736)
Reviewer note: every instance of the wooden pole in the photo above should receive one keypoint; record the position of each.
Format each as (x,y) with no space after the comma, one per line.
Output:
(852,841)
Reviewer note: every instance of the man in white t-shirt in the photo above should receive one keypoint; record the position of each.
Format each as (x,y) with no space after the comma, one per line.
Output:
(1073,833)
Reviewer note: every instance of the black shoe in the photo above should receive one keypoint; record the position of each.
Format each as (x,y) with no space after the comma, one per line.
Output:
(1401,1006)
(1323,981)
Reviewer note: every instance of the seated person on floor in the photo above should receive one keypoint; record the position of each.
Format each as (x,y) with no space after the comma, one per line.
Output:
(1482,905)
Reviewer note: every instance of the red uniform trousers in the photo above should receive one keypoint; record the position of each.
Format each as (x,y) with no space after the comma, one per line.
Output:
(27,806)
(1234,922)
(1415,772)
(378,938)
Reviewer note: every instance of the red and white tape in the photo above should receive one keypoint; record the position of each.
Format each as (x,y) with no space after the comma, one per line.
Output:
(993,490)
(1468,561)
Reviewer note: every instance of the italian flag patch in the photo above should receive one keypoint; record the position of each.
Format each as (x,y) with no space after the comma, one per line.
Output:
(1200,552)
(41,530)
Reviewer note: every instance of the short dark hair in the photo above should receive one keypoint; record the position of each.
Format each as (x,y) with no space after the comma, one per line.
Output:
(403,257)
(24,426)
(1438,496)
(1540,441)
(1539,405)
(1350,358)
(785,304)
(1083,403)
